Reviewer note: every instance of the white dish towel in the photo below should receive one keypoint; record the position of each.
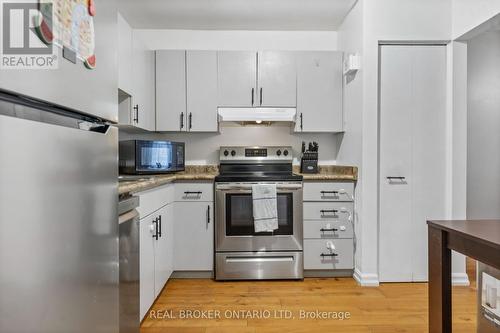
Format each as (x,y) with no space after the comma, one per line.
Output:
(265,207)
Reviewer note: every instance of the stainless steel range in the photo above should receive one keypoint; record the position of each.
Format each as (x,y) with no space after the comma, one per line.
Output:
(240,252)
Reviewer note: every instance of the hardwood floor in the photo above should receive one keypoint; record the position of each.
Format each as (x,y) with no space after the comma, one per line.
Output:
(394,307)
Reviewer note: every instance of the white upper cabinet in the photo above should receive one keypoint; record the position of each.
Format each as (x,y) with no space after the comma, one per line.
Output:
(237,78)
(125,55)
(319,92)
(277,79)
(136,73)
(171,90)
(201,71)
(143,92)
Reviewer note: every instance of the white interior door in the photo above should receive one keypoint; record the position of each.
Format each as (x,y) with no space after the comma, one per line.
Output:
(412,146)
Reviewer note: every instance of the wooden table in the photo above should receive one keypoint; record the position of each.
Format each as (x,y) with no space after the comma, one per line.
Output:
(476,239)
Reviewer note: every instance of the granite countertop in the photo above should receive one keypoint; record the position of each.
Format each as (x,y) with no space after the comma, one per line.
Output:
(134,184)
(330,172)
(146,182)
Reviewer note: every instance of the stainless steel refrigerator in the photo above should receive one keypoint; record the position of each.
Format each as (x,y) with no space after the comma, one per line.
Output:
(58,220)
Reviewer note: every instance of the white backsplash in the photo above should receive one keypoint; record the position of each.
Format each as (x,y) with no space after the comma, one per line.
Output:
(203,148)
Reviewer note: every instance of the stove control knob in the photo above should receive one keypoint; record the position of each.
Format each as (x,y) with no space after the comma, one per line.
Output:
(233,153)
(285,152)
(278,152)
(226,153)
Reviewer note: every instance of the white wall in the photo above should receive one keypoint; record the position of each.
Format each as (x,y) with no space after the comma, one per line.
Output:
(483,163)
(468,14)
(350,40)
(203,148)
(389,21)
(239,40)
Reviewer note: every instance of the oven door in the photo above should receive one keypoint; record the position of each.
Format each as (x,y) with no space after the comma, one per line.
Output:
(235,224)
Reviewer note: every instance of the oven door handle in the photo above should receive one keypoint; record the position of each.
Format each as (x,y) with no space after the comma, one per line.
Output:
(229,188)
(259,259)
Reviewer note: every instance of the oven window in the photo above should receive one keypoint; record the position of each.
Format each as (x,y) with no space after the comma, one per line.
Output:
(239,215)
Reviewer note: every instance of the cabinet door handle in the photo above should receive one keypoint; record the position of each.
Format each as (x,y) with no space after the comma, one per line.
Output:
(155,236)
(253,95)
(396,178)
(301,122)
(329,192)
(208,214)
(260,95)
(182,120)
(136,109)
(322,255)
(190,120)
(333,211)
(159,229)
(331,229)
(193,192)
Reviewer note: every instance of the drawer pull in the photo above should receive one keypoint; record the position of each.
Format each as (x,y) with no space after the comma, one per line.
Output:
(193,192)
(329,192)
(323,255)
(333,211)
(331,229)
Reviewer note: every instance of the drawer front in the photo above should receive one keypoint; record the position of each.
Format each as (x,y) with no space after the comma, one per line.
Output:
(152,200)
(327,230)
(194,191)
(328,191)
(313,248)
(328,211)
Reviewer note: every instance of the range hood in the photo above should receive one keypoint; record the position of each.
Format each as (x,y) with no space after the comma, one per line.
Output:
(257,115)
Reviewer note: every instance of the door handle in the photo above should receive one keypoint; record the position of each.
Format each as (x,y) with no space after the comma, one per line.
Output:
(396,178)
(208,214)
(182,120)
(193,192)
(253,95)
(301,122)
(260,95)
(324,211)
(190,120)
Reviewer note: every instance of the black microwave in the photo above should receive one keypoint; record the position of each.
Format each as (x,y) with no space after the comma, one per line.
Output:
(148,157)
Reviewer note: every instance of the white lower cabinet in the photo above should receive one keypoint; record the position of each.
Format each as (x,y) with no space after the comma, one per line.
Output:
(175,219)
(194,236)
(328,226)
(147,264)
(164,248)
(156,243)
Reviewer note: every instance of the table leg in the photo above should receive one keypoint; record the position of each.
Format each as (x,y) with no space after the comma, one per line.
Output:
(439,282)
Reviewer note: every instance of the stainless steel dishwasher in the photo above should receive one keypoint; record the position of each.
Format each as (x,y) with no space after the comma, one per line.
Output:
(129,265)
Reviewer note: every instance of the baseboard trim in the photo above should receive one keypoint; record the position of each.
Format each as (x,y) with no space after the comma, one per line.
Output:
(366,280)
(460,279)
(192,275)
(317,273)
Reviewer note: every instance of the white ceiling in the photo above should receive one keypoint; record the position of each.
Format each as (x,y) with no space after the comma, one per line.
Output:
(235,14)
